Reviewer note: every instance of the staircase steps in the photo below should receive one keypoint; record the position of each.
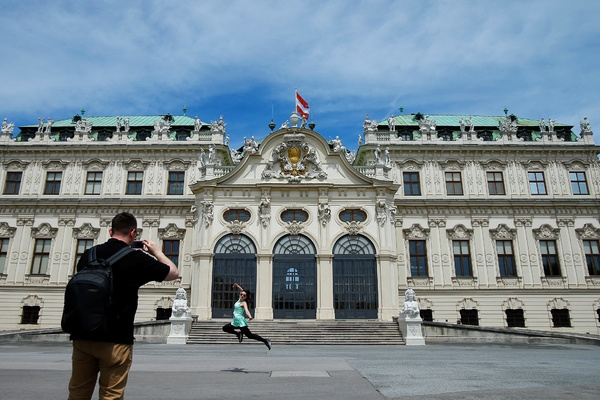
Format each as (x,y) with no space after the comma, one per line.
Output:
(294,332)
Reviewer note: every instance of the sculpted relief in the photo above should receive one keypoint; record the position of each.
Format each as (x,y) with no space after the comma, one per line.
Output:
(294,160)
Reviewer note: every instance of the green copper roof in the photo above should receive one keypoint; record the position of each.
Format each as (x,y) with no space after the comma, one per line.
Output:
(454,120)
(140,120)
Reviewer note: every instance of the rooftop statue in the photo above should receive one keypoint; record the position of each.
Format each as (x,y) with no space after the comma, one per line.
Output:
(337,145)
(542,125)
(197,124)
(7,128)
(392,123)
(118,127)
(585,126)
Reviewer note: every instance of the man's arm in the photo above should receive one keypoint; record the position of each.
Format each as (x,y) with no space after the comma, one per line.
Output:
(155,250)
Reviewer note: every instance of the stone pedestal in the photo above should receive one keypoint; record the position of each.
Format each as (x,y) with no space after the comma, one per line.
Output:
(180,329)
(411,330)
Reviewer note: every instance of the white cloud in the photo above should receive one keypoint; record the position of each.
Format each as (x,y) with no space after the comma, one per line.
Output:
(242,59)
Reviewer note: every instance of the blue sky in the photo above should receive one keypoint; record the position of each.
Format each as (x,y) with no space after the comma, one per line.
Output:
(244,59)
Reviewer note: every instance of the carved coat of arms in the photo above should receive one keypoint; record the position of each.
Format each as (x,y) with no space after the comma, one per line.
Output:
(296,158)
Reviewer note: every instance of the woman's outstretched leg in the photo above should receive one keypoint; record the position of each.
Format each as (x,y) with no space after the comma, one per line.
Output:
(253,336)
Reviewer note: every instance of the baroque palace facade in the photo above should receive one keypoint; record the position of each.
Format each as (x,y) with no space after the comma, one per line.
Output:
(493,221)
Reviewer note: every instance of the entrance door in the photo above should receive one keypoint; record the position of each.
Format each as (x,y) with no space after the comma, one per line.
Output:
(294,279)
(355,294)
(234,261)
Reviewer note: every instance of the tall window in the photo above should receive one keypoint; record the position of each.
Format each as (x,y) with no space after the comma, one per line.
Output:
(176,182)
(134,182)
(592,256)
(3,254)
(171,250)
(536,183)
(93,183)
(550,258)
(412,186)
(41,257)
(506,257)
(82,245)
(13,182)
(462,257)
(53,182)
(578,183)
(495,182)
(453,183)
(418,257)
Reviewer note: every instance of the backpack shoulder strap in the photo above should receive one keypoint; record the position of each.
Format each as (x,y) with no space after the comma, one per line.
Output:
(92,255)
(118,255)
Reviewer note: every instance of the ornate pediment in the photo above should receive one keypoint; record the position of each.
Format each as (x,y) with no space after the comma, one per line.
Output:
(294,159)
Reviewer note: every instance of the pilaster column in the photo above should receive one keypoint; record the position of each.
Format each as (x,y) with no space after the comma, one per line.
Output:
(264,287)
(573,266)
(325,287)
(526,250)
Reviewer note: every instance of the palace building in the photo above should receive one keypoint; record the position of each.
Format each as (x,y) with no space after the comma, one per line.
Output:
(492,220)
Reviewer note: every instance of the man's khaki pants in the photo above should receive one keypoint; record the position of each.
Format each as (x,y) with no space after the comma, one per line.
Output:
(110,359)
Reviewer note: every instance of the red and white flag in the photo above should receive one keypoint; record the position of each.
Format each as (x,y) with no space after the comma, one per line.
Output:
(302,106)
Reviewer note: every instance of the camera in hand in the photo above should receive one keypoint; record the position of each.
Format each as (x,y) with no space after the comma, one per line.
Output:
(137,244)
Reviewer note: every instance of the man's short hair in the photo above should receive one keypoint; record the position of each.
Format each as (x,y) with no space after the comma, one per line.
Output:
(123,223)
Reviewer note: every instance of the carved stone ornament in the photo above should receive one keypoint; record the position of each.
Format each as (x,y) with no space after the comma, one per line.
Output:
(416,231)
(459,232)
(207,212)
(503,232)
(6,231)
(467,304)
(512,303)
(353,227)
(588,232)
(44,231)
(171,232)
(236,227)
(87,231)
(324,213)
(545,232)
(294,227)
(508,125)
(135,165)
(296,158)
(558,303)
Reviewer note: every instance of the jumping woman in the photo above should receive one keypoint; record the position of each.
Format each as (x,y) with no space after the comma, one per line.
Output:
(240,310)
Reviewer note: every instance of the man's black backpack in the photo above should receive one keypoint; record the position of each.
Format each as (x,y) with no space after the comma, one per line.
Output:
(88,296)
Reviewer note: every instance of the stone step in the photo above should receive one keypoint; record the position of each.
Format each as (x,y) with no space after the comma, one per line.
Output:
(339,332)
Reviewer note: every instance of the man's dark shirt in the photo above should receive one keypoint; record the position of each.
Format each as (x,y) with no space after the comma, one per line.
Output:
(129,274)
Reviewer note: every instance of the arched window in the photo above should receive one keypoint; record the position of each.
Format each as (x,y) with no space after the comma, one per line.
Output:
(355,284)
(294,278)
(234,261)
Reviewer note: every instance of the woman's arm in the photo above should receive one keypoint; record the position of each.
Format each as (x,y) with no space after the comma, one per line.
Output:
(238,287)
(245,305)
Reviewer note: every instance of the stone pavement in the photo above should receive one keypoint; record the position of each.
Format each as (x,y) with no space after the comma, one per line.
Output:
(244,371)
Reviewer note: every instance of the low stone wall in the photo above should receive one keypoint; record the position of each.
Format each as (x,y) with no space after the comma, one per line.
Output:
(144,332)
(440,332)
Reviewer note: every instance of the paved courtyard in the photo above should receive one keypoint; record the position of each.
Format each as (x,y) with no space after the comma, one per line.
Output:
(246,371)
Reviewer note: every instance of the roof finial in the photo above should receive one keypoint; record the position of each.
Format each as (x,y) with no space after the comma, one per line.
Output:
(505,111)
(184,110)
(82,111)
